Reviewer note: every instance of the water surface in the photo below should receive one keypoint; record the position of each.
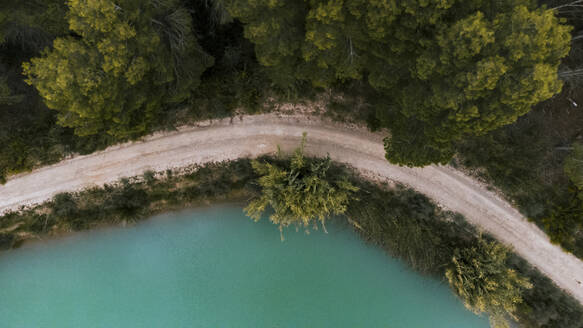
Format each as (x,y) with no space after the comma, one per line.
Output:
(216,268)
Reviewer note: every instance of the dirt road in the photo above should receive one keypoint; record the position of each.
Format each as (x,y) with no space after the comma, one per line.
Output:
(251,136)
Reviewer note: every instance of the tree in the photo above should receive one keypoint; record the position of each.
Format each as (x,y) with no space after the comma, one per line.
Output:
(490,69)
(409,145)
(480,277)
(451,68)
(300,195)
(276,27)
(124,63)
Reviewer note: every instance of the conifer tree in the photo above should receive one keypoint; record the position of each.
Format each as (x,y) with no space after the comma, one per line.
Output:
(450,68)
(127,61)
(276,27)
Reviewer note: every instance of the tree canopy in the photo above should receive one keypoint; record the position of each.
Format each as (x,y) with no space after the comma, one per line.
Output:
(300,195)
(449,68)
(123,63)
(480,277)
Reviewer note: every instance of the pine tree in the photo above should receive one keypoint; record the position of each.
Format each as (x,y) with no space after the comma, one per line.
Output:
(276,27)
(450,68)
(127,61)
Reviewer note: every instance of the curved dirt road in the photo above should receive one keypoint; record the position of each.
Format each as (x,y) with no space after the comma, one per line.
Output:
(251,136)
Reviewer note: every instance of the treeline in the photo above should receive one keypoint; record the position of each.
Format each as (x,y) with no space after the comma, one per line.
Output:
(436,71)
(404,223)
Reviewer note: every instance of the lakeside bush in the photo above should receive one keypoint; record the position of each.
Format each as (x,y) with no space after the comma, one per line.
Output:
(301,194)
(480,276)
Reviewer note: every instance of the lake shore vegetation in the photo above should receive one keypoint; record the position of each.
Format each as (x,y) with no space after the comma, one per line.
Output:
(404,223)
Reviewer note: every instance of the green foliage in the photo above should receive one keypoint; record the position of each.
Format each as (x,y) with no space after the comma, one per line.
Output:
(128,200)
(574,165)
(64,205)
(276,27)
(3,19)
(129,60)
(480,276)
(32,24)
(469,86)
(407,225)
(301,194)
(236,82)
(408,145)
(452,68)
(565,220)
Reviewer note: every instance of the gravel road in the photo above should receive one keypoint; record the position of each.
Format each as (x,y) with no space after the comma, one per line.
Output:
(250,136)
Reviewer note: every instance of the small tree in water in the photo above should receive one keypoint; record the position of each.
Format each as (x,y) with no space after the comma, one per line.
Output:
(480,277)
(301,195)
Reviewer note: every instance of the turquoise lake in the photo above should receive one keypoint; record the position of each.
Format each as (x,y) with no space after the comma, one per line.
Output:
(216,268)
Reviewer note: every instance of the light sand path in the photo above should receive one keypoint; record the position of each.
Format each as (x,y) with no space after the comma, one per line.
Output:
(250,136)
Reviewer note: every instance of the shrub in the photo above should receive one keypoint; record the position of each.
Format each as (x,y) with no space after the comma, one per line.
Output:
(480,276)
(302,194)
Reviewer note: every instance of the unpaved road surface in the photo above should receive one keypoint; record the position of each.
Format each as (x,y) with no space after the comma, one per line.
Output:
(250,136)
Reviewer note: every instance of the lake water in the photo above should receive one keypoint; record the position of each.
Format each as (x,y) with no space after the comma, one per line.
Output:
(216,268)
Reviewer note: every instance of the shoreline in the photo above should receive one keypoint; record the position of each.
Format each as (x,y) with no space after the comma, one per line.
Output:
(232,184)
(253,136)
(235,201)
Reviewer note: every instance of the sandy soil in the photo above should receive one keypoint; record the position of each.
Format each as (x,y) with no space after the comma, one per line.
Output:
(250,136)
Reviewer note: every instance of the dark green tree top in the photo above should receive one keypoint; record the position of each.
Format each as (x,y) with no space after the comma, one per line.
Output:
(127,60)
(276,27)
(450,68)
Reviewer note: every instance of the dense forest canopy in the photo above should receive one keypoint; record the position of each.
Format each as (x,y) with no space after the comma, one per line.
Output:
(123,62)
(440,70)
(446,68)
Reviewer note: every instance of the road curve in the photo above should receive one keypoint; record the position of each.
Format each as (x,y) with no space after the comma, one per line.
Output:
(251,136)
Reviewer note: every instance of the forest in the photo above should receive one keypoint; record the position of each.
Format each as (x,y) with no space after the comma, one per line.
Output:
(491,87)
